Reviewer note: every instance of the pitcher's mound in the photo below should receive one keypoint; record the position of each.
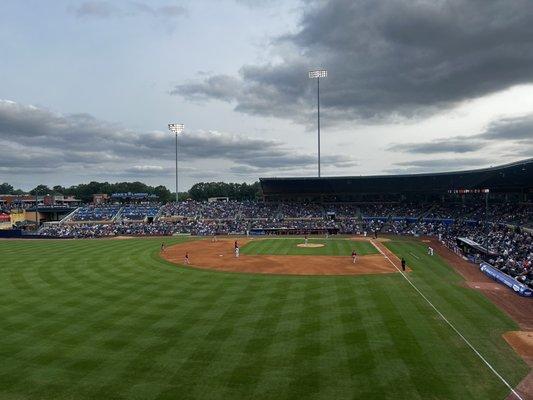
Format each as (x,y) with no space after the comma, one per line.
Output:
(310,245)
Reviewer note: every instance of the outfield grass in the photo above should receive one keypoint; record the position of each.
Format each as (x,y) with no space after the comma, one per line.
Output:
(108,319)
(286,246)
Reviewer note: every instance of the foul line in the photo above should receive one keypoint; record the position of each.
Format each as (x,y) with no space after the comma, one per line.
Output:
(451,325)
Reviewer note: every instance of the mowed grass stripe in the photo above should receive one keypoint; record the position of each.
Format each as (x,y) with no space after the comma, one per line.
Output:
(109,319)
(289,246)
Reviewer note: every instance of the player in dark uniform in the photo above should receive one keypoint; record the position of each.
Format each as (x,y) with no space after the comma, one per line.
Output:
(403,264)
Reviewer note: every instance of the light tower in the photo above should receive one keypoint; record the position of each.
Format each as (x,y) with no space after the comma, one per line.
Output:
(317,74)
(176,128)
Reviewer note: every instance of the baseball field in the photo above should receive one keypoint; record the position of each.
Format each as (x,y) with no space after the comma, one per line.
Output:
(112,319)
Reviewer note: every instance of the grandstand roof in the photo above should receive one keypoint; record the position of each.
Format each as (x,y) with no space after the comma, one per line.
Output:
(514,177)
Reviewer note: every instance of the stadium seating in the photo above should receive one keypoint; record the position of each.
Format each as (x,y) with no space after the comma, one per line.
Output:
(96,213)
(139,212)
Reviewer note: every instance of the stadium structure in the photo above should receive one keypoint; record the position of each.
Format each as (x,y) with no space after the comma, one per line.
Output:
(510,182)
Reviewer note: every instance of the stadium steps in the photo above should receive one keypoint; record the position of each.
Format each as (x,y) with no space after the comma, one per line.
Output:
(158,215)
(69,216)
(118,216)
(424,214)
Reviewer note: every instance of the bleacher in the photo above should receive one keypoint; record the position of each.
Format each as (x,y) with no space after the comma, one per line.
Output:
(96,213)
(139,212)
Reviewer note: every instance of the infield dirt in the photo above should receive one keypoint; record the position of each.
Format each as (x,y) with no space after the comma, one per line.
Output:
(220,256)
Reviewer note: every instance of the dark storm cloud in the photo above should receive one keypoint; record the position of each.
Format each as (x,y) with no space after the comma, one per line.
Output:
(35,138)
(108,9)
(517,131)
(405,58)
(518,128)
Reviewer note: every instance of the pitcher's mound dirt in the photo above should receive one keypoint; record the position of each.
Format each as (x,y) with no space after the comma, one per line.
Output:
(220,256)
(310,245)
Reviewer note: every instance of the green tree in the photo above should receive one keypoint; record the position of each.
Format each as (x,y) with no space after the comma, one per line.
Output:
(235,191)
(6,188)
(41,190)
(58,189)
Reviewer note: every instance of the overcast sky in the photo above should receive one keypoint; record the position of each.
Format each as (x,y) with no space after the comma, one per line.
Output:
(87,88)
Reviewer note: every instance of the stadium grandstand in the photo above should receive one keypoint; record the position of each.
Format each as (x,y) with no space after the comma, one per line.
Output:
(515,179)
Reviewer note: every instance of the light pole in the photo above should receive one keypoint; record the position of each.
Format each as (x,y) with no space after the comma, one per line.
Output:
(317,74)
(176,128)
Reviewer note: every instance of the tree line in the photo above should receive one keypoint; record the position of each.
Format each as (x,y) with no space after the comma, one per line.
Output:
(199,191)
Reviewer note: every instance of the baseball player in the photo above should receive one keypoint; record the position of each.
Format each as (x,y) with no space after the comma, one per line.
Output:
(186,259)
(237,251)
(354,256)
(403,264)
(305,241)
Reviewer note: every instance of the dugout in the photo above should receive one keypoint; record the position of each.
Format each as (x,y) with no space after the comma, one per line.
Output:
(472,249)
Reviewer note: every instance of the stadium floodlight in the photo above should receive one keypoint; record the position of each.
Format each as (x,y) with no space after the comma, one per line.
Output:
(321,73)
(317,74)
(176,129)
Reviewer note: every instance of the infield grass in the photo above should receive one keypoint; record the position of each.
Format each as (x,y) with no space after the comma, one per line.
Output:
(286,246)
(109,319)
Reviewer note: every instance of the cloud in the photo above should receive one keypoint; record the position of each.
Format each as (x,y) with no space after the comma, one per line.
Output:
(452,145)
(517,128)
(108,9)
(438,165)
(36,139)
(261,4)
(443,163)
(148,170)
(516,132)
(386,60)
